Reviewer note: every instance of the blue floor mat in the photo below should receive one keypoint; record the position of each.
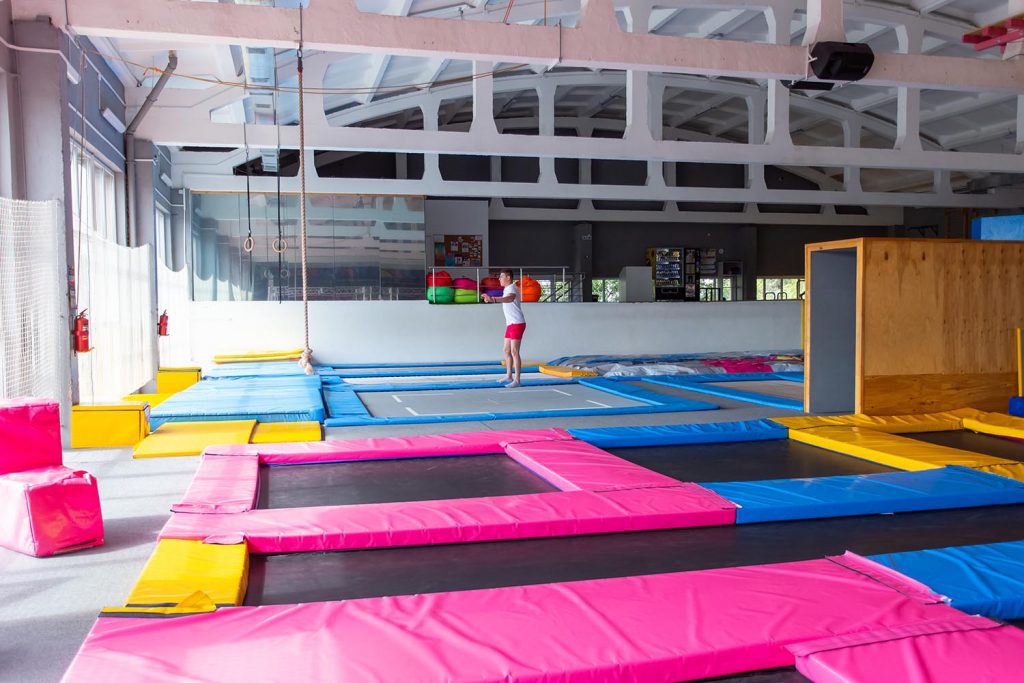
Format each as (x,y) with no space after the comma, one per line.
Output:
(683,434)
(266,399)
(286,368)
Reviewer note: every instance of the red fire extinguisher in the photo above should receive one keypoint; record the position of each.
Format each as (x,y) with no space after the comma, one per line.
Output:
(161,326)
(81,333)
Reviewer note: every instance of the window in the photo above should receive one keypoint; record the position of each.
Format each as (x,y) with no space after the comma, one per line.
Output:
(780,288)
(93,198)
(164,238)
(605,289)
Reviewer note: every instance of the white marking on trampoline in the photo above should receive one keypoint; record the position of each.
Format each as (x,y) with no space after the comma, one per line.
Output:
(412,411)
(601,405)
(397,400)
(563,393)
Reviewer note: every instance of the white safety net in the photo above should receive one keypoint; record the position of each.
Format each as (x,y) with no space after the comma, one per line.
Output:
(173,295)
(34,340)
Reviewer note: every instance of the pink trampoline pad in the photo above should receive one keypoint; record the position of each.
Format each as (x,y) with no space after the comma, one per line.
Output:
(29,434)
(576,465)
(222,484)
(386,448)
(955,650)
(48,510)
(663,627)
(461,520)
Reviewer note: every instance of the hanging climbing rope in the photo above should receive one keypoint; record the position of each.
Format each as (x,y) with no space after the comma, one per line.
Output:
(306,360)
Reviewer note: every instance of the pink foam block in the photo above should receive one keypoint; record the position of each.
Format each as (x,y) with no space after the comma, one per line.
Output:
(952,650)
(387,448)
(29,434)
(576,465)
(663,627)
(462,520)
(222,484)
(48,510)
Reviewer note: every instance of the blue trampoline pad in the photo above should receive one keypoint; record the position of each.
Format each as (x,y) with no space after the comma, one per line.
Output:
(978,579)
(491,400)
(266,399)
(867,494)
(286,368)
(773,389)
(673,435)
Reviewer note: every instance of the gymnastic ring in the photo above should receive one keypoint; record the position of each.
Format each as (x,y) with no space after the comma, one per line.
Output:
(248,244)
(279,245)
(284,274)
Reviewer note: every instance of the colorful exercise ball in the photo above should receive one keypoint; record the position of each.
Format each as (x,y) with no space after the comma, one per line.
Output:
(466,296)
(440,295)
(529,289)
(495,292)
(489,283)
(441,278)
(464,283)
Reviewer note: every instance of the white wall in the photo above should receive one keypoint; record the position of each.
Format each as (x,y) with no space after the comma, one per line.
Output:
(414,331)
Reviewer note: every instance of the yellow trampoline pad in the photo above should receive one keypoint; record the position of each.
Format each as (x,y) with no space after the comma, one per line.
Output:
(179,569)
(996,424)
(565,371)
(895,424)
(191,438)
(286,432)
(892,450)
(290,354)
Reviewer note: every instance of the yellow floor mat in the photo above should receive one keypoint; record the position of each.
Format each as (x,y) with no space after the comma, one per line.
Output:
(190,438)
(892,450)
(286,432)
(996,424)
(178,569)
(152,399)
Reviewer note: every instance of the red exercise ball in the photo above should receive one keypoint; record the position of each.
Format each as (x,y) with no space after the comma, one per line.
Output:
(439,279)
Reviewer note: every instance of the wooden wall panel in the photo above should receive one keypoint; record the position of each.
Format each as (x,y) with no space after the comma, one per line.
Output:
(941,306)
(909,394)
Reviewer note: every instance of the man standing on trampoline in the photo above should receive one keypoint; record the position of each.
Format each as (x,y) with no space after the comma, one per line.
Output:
(515,326)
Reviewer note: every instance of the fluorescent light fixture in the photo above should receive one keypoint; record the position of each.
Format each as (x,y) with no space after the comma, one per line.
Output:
(166,179)
(113,120)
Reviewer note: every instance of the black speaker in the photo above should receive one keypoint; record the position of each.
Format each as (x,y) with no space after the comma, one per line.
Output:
(831,61)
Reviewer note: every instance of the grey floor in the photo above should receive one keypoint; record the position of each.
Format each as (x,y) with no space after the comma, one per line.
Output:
(47,605)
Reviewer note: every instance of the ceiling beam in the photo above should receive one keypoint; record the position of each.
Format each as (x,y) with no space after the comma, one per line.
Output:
(596,42)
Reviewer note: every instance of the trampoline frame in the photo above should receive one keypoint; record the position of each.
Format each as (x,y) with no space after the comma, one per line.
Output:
(345,409)
(704,384)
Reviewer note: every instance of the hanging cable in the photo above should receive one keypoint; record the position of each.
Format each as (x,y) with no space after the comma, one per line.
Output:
(249,243)
(306,361)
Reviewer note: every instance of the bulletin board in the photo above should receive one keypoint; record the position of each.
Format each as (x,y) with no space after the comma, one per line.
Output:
(459,250)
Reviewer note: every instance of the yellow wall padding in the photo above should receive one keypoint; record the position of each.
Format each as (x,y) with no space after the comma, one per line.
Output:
(152,399)
(109,426)
(191,438)
(1013,470)
(564,371)
(895,424)
(996,424)
(173,380)
(890,449)
(286,432)
(290,354)
(178,569)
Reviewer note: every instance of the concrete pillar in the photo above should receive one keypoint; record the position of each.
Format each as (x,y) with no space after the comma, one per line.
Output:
(44,118)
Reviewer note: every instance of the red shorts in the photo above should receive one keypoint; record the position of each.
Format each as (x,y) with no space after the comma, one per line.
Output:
(515,331)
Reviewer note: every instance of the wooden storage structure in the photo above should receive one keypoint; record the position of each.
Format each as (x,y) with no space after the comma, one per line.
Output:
(899,326)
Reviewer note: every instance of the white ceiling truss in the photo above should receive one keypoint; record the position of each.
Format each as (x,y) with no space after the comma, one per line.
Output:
(694,81)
